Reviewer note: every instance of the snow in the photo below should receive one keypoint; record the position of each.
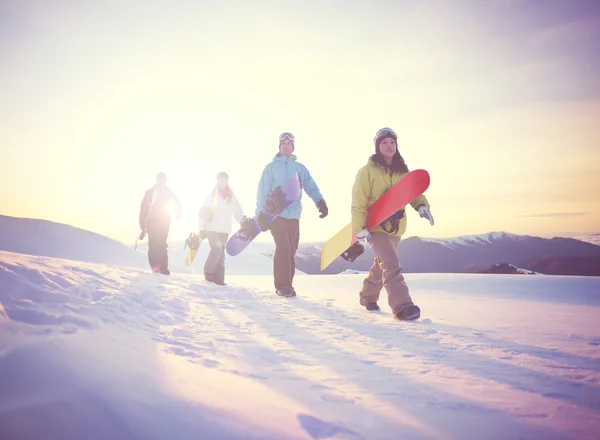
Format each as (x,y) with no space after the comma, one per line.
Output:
(352,272)
(51,239)
(590,238)
(471,240)
(97,352)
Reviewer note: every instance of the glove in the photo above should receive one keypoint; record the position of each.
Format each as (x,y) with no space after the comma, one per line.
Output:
(322,206)
(263,222)
(364,237)
(142,225)
(424,212)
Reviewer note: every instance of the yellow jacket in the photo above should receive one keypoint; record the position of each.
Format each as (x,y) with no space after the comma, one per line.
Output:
(371,182)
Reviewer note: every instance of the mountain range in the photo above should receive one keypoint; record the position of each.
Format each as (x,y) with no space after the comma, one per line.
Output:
(465,254)
(473,254)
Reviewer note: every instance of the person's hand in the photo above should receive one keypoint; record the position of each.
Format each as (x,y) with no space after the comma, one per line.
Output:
(424,212)
(364,237)
(322,207)
(263,222)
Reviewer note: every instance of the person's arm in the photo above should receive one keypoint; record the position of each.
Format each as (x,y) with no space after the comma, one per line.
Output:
(360,200)
(144,209)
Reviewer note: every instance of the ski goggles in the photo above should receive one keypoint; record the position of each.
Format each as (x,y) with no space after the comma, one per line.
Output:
(286,135)
(386,132)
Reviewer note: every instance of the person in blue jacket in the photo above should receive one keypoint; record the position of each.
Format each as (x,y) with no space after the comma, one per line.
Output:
(286,227)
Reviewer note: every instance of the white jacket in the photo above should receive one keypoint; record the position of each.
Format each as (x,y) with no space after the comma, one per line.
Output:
(219,212)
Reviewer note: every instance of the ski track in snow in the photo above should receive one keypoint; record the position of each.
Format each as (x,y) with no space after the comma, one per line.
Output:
(240,362)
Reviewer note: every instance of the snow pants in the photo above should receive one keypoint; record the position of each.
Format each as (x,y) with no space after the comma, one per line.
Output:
(286,233)
(386,272)
(214,267)
(157,247)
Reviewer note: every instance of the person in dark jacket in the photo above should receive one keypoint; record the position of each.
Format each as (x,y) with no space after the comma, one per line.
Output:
(157,207)
(286,227)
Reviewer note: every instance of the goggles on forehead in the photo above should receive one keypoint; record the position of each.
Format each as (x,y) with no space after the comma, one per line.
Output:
(385,132)
(286,135)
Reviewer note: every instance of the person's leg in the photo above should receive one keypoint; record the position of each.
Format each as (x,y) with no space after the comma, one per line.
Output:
(220,269)
(294,237)
(371,286)
(281,264)
(384,246)
(214,256)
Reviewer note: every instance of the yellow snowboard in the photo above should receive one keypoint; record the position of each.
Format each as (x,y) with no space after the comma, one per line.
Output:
(336,245)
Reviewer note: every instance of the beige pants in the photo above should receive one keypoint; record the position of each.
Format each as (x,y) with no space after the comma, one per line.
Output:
(386,272)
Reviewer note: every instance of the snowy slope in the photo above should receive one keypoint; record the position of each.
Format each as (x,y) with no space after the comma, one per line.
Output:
(94,352)
(51,239)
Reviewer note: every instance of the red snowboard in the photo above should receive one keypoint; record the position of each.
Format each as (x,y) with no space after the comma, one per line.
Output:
(411,186)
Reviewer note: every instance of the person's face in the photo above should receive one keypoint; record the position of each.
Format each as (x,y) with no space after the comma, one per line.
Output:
(388,147)
(222,182)
(286,147)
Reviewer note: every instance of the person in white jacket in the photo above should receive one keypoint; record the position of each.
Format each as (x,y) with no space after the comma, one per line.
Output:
(216,214)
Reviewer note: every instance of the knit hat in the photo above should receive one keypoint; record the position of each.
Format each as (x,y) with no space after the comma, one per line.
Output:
(385,132)
(289,136)
(223,174)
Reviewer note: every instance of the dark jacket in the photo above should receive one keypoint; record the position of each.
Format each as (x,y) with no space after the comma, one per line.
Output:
(157,206)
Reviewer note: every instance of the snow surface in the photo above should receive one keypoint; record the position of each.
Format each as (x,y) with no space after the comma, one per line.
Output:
(256,259)
(96,352)
(59,240)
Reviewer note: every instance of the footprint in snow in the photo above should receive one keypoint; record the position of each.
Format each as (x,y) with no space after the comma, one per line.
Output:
(165,319)
(176,304)
(182,332)
(319,429)
(180,351)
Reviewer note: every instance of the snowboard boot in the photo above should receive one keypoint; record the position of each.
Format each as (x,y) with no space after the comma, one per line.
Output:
(286,291)
(165,271)
(369,305)
(372,306)
(408,314)
(155,269)
(293,291)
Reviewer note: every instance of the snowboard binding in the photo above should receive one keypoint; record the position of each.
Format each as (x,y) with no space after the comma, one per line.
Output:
(353,252)
(193,242)
(246,229)
(275,201)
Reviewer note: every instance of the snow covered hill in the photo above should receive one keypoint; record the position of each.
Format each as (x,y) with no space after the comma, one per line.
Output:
(590,238)
(471,253)
(94,352)
(50,239)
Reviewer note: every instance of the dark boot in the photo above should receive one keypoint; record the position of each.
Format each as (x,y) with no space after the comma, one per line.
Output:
(372,306)
(408,314)
(286,291)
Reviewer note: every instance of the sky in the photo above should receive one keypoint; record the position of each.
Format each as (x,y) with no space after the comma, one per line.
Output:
(498,100)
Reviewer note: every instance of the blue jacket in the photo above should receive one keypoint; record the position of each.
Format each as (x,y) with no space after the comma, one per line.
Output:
(277,173)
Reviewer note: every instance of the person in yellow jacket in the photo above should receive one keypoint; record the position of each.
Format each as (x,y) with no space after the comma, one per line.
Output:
(385,168)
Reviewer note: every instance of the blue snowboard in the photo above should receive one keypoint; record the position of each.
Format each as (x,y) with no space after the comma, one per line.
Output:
(290,191)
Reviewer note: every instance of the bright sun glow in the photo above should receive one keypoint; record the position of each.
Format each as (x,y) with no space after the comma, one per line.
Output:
(509,139)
